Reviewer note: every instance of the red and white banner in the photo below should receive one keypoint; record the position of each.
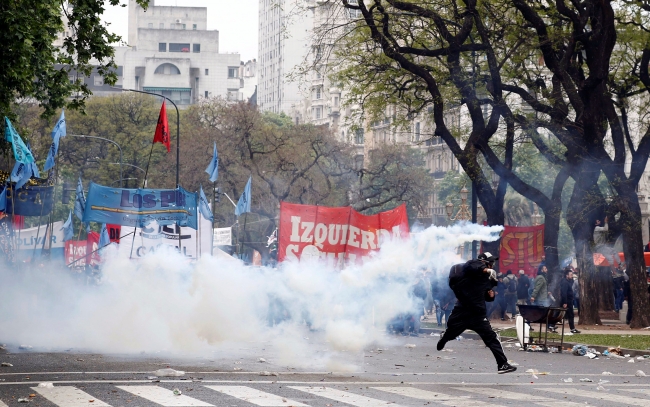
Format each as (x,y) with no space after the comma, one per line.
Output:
(77,252)
(522,248)
(337,235)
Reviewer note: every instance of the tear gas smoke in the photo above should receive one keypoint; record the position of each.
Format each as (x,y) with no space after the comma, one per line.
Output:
(163,303)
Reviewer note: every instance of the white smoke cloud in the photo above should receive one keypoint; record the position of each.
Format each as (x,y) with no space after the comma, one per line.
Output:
(163,303)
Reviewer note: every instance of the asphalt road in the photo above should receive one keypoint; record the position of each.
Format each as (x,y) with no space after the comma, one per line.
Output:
(395,374)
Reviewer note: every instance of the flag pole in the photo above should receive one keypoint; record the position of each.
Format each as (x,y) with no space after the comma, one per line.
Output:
(144,185)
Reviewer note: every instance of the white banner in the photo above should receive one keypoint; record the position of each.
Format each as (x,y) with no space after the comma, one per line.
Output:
(153,236)
(223,236)
(26,239)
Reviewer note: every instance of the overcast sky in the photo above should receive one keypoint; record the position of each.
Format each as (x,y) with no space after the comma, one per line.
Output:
(236,21)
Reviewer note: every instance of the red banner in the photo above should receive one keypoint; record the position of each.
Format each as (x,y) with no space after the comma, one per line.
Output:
(337,235)
(114,232)
(77,252)
(522,248)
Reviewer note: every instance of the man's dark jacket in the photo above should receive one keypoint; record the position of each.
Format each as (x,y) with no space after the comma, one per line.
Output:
(522,287)
(472,288)
(566,293)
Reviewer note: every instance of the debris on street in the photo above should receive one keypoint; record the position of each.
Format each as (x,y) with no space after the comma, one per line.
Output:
(269,374)
(168,373)
(6,364)
(607,373)
(640,373)
(23,400)
(46,385)
(177,392)
(410,345)
(262,360)
(586,380)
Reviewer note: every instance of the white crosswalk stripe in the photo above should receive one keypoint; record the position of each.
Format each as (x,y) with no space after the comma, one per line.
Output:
(2,404)
(523,397)
(642,391)
(601,395)
(69,396)
(256,396)
(437,397)
(164,397)
(343,396)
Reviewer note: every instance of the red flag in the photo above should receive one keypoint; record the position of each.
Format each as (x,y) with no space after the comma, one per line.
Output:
(162,129)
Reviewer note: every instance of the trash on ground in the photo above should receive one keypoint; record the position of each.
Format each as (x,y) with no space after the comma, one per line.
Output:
(269,374)
(607,373)
(410,345)
(630,361)
(601,381)
(24,347)
(580,350)
(591,355)
(152,377)
(627,355)
(513,363)
(601,388)
(640,373)
(586,380)
(237,369)
(434,334)
(615,351)
(46,385)
(640,358)
(177,392)
(569,380)
(23,400)
(261,360)
(32,395)
(168,373)
(400,365)
(6,364)
(459,338)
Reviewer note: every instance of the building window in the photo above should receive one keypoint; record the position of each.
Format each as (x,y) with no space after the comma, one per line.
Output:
(179,47)
(318,93)
(194,26)
(181,97)
(233,72)
(417,131)
(336,101)
(233,94)
(318,112)
(196,47)
(183,26)
(358,136)
(206,72)
(161,25)
(98,80)
(162,47)
(206,94)
(150,25)
(167,69)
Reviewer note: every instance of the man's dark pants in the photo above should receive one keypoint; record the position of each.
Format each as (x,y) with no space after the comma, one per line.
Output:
(568,314)
(460,321)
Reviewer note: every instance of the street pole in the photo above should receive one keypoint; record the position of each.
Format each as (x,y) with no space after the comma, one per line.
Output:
(178,148)
(105,139)
(474,211)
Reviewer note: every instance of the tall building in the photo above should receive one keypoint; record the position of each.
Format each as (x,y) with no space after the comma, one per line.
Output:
(285,30)
(171,51)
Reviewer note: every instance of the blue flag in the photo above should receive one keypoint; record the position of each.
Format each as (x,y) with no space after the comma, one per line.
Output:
(21,151)
(21,174)
(244,203)
(213,168)
(58,132)
(204,206)
(3,200)
(80,201)
(104,237)
(68,230)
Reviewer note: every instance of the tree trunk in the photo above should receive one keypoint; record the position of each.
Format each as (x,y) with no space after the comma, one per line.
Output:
(605,286)
(634,259)
(581,217)
(551,234)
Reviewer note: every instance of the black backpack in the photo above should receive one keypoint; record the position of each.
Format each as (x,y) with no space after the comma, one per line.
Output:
(456,275)
(512,286)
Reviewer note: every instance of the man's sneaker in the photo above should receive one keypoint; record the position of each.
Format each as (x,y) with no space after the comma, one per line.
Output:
(441,344)
(506,368)
(575,331)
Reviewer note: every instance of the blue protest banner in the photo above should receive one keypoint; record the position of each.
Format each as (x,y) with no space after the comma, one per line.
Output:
(138,207)
(30,200)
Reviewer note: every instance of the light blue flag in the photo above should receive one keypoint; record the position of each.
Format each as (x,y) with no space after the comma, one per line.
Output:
(21,174)
(58,132)
(21,151)
(244,203)
(213,168)
(104,238)
(204,206)
(80,201)
(68,230)
(3,200)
